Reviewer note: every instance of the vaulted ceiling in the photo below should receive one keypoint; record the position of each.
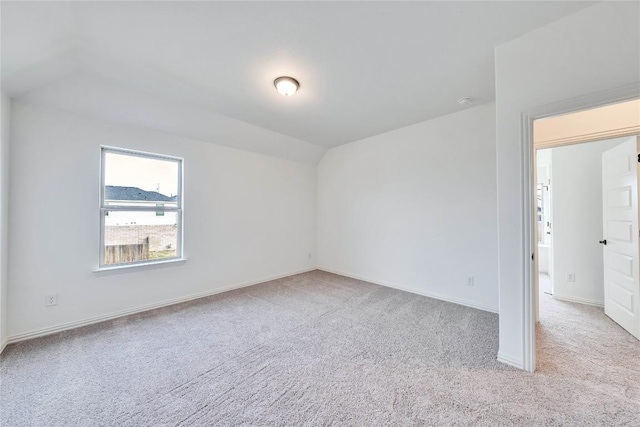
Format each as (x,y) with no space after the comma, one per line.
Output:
(364,67)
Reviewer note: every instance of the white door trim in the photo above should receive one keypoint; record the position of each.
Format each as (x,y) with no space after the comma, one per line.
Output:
(529,296)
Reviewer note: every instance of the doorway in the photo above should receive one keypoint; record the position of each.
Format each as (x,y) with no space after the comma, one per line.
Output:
(573,159)
(570,220)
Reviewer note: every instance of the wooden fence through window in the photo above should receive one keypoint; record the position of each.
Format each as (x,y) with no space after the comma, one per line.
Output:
(119,254)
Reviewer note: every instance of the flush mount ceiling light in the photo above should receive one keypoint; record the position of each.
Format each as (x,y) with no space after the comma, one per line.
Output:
(287,86)
(464,101)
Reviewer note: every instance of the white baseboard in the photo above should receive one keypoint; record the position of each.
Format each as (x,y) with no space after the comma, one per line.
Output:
(435,295)
(3,345)
(89,321)
(579,300)
(507,360)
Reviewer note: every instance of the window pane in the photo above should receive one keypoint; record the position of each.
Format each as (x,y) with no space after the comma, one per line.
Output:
(135,181)
(133,236)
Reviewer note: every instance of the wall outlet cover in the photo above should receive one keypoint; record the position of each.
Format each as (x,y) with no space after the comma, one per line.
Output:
(50,300)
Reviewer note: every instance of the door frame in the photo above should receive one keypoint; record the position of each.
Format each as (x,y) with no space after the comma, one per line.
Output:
(528,180)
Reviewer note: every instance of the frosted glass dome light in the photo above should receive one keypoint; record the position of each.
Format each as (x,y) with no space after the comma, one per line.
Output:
(287,86)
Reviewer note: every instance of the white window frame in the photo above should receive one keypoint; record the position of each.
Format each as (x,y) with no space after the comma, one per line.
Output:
(178,209)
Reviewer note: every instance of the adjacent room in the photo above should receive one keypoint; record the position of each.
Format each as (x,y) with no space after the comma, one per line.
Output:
(317,213)
(586,189)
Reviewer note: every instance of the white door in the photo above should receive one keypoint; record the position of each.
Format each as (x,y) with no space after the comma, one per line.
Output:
(620,225)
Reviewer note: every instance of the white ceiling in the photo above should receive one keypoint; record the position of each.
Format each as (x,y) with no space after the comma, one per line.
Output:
(364,67)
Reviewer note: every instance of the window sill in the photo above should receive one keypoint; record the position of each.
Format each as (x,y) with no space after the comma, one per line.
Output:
(141,266)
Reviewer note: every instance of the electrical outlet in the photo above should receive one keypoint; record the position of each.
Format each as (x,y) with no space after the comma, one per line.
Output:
(309,255)
(50,300)
(571,277)
(470,281)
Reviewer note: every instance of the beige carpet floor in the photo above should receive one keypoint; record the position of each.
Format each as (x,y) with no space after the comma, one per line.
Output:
(318,349)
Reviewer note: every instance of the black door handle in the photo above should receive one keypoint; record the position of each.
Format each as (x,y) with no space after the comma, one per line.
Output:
(604,242)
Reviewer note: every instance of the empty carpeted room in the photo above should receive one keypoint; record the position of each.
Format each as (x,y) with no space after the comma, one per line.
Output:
(304,213)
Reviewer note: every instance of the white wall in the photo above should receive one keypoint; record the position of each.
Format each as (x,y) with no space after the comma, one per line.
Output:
(577,221)
(594,50)
(415,208)
(5,113)
(248,217)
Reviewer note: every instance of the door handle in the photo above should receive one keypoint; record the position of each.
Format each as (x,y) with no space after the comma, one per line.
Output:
(604,242)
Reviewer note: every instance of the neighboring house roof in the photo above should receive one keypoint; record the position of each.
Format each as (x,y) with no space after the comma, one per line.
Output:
(112,192)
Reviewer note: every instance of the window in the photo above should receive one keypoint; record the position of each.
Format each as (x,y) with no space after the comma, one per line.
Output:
(544,214)
(140,208)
